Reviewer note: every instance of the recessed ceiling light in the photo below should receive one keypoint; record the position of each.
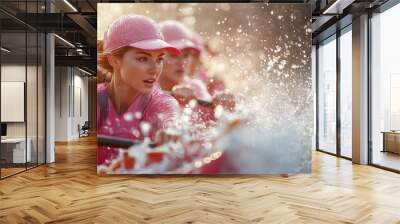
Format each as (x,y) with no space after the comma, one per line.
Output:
(64,40)
(338,6)
(70,5)
(5,49)
(86,72)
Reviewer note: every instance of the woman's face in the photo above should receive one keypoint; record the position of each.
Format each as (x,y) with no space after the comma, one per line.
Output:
(176,67)
(195,63)
(140,69)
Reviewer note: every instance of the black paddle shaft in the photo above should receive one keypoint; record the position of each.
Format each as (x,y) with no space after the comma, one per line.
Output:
(116,142)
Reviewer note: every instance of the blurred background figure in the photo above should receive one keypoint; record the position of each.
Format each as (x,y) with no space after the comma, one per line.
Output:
(175,77)
(197,69)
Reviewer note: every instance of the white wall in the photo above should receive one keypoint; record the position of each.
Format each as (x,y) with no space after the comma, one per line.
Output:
(17,73)
(61,103)
(80,84)
(70,83)
(33,127)
(14,73)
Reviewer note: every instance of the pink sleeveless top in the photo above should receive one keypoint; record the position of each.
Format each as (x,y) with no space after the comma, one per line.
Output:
(157,108)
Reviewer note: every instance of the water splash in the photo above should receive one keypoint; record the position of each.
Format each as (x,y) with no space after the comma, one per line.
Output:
(265,59)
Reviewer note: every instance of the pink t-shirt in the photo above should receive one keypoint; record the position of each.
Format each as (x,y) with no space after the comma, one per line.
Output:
(157,108)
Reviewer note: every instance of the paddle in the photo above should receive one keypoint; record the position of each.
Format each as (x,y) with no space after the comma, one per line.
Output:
(117,142)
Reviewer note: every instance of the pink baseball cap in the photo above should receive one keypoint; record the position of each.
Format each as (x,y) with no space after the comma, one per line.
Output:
(197,41)
(135,31)
(177,34)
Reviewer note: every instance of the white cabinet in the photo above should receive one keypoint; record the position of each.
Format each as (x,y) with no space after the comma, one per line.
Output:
(16,147)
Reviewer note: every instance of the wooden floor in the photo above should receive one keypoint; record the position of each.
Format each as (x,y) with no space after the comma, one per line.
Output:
(10,171)
(69,191)
(5,172)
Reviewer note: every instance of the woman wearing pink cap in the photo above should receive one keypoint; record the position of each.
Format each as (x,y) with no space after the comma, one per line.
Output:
(213,84)
(176,76)
(133,52)
(175,73)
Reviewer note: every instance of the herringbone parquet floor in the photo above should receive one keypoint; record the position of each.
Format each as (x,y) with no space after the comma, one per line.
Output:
(69,191)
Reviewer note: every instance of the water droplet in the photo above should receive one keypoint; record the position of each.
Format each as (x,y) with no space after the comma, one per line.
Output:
(138,115)
(128,116)
(145,127)
(192,103)
(135,132)
(207,160)
(198,164)
(218,111)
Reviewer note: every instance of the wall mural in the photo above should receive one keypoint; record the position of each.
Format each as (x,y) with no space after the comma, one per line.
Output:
(204,88)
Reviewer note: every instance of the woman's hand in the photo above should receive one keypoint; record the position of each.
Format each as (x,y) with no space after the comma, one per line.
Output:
(183,94)
(163,136)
